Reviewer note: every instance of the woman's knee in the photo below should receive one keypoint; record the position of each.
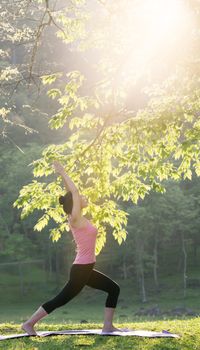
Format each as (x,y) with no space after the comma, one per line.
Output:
(113,295)
(115,289)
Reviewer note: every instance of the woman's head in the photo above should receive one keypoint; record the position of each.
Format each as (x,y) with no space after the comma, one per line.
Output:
(67,202)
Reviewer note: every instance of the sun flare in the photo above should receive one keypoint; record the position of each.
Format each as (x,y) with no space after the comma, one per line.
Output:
(149,30)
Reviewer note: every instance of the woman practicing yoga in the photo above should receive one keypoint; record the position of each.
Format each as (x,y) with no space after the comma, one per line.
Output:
(82,271)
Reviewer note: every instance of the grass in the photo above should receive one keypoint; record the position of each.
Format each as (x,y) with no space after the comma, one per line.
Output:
(188,329)
(88,306)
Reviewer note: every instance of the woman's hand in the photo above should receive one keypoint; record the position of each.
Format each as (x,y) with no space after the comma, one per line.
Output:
(58,167)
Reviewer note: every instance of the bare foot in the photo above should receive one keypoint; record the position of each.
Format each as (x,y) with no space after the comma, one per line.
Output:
(110,329)
(114,329)
(28,328)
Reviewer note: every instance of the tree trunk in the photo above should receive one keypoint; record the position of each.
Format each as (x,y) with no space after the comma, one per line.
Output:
(155,262)
(57,266)
(125,275)
(144,299)
(21,278)
(195,248)
(49,261)
(184,265)
(140,268)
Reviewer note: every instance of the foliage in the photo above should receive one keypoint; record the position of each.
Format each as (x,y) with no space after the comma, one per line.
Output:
(25,53)
(159,220)
(14,34)
(159,226)
(15,243)
(114,151)
(125,160)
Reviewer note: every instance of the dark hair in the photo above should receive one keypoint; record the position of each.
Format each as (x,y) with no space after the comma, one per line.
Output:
(67,202)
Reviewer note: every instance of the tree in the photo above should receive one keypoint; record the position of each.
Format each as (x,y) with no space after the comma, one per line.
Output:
(15,36)
(114,151)
(14,174)
(182,217)
(138,228)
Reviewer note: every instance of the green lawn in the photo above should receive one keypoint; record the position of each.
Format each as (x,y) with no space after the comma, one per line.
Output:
(89,304)
(188,329)
(88,307)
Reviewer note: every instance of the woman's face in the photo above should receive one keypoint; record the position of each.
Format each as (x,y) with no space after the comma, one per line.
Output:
(84,202)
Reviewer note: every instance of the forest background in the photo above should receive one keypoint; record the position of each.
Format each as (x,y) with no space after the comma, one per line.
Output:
(124,120)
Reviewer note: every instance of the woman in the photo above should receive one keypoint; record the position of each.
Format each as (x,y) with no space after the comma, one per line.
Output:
(82,271)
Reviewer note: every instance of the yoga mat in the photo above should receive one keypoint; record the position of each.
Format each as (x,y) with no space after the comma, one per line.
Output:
(137,333)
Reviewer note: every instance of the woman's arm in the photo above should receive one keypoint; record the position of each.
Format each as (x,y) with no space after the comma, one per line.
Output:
(70,186)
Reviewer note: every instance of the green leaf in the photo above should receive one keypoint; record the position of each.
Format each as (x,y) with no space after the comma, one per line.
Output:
(55,234)
(42,222)
(54,93)
(197,168)
(51,78)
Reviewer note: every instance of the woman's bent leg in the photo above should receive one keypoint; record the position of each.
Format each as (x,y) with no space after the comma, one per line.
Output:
(100,281)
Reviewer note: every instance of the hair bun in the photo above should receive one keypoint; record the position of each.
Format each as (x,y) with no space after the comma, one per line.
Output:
(61,199)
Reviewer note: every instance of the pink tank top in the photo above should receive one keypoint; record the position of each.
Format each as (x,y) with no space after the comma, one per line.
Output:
(85,239)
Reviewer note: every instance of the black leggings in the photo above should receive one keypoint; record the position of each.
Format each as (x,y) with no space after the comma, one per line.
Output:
(80,276)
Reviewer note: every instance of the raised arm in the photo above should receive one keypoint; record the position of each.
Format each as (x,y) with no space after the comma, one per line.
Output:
(70,186)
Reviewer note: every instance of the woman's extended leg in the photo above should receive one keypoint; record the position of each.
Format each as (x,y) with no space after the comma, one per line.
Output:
(100,281)
(79,276)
